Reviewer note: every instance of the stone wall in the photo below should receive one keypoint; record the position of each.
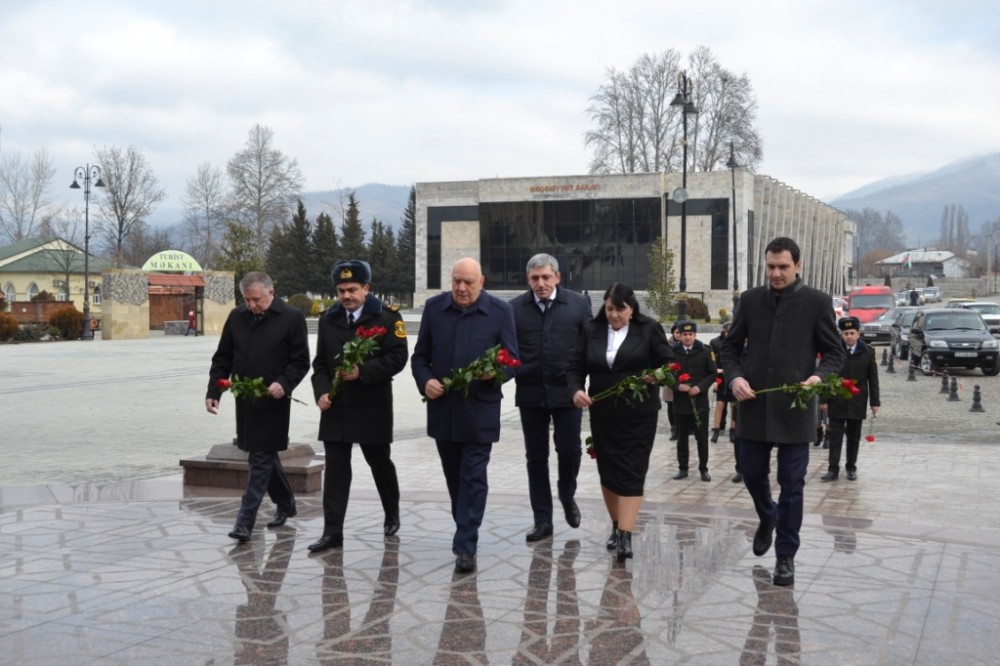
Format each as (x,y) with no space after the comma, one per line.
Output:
(220,299)
(125,293)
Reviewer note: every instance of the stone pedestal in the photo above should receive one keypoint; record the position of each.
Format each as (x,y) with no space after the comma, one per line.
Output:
(225,466)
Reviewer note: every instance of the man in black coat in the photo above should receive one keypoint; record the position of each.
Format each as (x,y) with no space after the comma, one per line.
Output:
(783,326)
(548,318)
(846,416)
(262,339)
(361,408)
(691,397)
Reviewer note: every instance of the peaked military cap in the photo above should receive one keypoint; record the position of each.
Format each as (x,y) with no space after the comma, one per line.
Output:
(354,270)
(849,324)
(688,326)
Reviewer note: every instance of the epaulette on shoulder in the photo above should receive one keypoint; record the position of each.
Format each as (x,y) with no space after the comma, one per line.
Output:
(392,308)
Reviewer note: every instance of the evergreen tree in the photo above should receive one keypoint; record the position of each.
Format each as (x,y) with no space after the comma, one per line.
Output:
(325,253)
(406,248)
(381,256)
(352,234)
(289,255)
(238,253)
(660,296)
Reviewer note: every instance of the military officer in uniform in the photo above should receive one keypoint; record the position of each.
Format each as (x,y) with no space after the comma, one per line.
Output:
(360,411)
(691,397)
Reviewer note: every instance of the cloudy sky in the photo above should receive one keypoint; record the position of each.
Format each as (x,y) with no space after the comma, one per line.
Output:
(396,91)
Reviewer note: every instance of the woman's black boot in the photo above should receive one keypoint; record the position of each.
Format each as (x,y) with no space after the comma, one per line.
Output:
(613,539)
(624,545)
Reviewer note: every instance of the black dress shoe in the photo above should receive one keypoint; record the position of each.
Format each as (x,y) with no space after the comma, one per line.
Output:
(624,549)
(852,475)
(673,433)
(465,564)
(612,543)
(572,512)
(681,474)
(762,538)
(715,435)
(831,475)
(784,572)
(282,516)
(705,476)
(738,477)
(326,542)
(391,525)
(240,533)
(539,531)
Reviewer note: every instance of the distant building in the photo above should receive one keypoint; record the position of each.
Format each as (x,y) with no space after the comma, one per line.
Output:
(602,229)
(923,263)
(33,265)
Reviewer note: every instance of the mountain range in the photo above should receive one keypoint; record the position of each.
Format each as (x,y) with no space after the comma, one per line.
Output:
(919,199)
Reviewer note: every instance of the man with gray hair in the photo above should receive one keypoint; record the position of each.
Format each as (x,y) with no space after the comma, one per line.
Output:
(549,319)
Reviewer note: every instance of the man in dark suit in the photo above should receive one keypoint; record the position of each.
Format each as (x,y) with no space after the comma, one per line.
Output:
(361,408)
(457,328)
(784,325)
(691,398)
(267,339)
(547,318)
(846,416)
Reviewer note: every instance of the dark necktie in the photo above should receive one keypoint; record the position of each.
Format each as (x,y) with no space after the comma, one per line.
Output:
(546,304)
(350,319)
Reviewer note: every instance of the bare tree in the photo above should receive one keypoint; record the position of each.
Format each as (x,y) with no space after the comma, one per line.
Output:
(265,183)
(143,242)
(638,131)
(24,187)
(205,204)
(130,194)
(66,259)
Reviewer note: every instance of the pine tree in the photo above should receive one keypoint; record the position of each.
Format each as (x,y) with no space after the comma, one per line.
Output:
(381,256)
(325,252)
(290,255)
(352,234)
(406,248)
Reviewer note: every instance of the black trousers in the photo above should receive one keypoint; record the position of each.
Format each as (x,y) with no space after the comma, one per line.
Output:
(685,426)
(839,428)
(337,482)
(266,475)
(566,435)
(464,465)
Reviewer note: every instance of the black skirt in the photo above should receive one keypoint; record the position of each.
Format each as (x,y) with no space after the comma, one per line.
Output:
(623,448)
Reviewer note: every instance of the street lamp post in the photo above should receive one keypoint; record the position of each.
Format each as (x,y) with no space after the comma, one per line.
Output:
(683,101)
(87,173)
(736,280)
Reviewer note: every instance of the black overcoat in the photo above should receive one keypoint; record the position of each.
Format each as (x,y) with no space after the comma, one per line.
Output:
(276,349)
(362,409)
(546,342)
(782,338)
(862,367)
(700,365)
(645,346)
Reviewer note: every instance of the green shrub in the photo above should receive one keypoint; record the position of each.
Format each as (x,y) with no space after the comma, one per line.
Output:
(69,321)
(8,326)
(301,302)
(3,304)
(315,309)
(30,333)
(696,309)
(42,296)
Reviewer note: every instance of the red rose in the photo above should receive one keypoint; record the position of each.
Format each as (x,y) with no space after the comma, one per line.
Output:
(224,384)
(854,390)
(869,438)
(718,381)
(675,366)
(683,378)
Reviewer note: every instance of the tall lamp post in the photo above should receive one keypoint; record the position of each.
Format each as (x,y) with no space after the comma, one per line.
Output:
(86,173)
(683,101)
(736,279)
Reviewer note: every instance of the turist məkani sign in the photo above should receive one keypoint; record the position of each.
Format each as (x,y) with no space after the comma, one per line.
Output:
(172,260)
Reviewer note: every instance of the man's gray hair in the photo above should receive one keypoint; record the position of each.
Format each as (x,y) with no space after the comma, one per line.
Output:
(543,260)
(256,277)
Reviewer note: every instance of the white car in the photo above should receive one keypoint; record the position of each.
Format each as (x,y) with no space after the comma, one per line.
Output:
(990,312)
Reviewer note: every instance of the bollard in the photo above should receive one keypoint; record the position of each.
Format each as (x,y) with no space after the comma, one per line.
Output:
(977,400)
(891,368)
(944,382)
(885,358)
(911,373)
(953,391)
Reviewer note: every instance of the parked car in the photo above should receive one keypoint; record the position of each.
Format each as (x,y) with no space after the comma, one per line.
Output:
(954,338)
(990,312)
(867,303)
(958,302)
(932,294)
(902,298)
(899,333)
(878,330)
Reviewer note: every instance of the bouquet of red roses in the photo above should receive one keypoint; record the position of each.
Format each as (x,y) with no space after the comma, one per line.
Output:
(635,388)
(489,365)
(832,386)
(246,388)
(356,350)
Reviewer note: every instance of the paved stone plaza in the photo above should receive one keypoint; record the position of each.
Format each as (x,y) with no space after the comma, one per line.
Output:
(105,557)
